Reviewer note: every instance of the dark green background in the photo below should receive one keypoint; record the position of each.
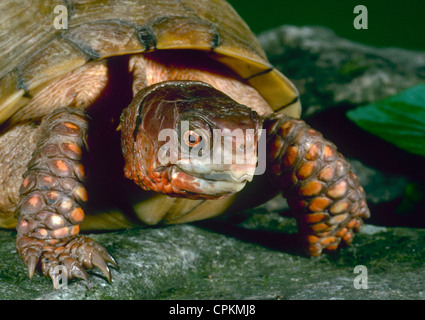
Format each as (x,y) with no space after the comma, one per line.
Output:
(392,23)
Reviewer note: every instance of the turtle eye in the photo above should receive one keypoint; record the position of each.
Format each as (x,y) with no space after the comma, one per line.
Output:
(192,139)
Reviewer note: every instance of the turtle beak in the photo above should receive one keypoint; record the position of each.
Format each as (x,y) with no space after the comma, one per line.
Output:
(202,187)
(222,171)
(232,173)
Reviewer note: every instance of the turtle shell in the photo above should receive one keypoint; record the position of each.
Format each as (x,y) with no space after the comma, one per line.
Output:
(34,51)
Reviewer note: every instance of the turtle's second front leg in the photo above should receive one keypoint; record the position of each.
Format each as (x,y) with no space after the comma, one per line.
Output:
(51,198)
(322,191)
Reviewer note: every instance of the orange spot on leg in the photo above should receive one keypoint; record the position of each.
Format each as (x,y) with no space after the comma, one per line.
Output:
(312,239)
(41,233)
(33,204)
(81,194)
(290,156)
(315,217)
(311,188)
(77,215)
(341,232)
(326,174)
(339,207)
(34,200)
(329,153)
(314,152)
(314,250)
(319,227)
(328,240)
(352,224)
(332,247)
(25,182)
(61,233)
(55,221)
(61,165)
(338,190)
(75,230)
(306,170)
(319,204)
(338,219)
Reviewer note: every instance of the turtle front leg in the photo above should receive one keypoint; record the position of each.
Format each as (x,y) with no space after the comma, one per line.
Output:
(322,191)
(51,199)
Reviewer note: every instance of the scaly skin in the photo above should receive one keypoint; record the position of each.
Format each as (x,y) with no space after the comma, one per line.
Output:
(322,191)
(51,199)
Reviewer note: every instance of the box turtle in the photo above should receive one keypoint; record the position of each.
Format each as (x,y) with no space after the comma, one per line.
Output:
(159,111)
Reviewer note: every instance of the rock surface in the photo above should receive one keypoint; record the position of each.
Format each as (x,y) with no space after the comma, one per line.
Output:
(194,262)
(329,71)
(253,255)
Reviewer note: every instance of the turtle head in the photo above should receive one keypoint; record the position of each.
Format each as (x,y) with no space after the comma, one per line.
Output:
(187,139)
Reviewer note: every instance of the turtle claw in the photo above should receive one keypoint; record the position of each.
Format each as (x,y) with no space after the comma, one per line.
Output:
(99,262)
(31,264)
(77,271)
(65,260)
(108,258)
(104,254)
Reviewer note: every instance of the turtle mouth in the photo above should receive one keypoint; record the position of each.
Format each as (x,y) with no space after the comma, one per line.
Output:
(214,182)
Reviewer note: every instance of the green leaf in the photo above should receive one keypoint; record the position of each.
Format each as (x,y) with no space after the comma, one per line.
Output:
(399,119)
(413,195)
